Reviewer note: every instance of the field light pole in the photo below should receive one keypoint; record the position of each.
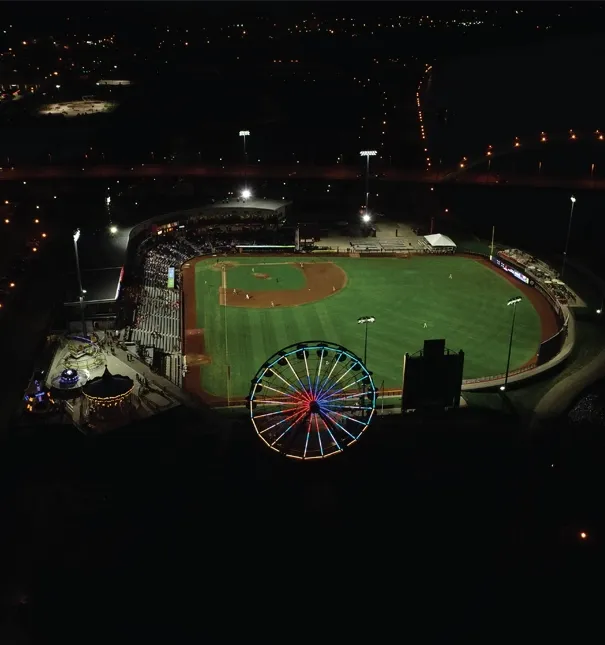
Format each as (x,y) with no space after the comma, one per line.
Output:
(367,154)
(514,302)
(245,133)
(76,236)
(573,203)
(365,320)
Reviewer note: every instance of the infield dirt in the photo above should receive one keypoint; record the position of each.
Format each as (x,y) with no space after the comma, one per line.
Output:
(322,279)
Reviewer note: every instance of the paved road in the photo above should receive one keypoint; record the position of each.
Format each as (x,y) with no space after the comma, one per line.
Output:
(295,171)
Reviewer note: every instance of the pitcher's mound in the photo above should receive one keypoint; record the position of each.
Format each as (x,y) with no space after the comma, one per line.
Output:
(262,276)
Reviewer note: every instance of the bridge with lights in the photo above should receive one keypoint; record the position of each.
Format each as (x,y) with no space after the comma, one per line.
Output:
(543,141)
(337,172)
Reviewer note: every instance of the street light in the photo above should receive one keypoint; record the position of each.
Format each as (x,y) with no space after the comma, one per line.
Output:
(113,230)
(573,202)
(76,237)
(365,218)
(245,133)
(514,302)
(367,154)
(365,320)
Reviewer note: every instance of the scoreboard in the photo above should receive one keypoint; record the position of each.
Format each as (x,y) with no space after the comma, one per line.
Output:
(432,378)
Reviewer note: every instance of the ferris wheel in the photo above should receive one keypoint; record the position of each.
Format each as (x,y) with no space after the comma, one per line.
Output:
(311,400)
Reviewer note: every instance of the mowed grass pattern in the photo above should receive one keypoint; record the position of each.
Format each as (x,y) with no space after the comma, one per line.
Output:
(469,311)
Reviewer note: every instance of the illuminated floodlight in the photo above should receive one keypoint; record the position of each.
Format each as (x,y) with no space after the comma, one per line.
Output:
(365,218)
(113,230)
(76,235)
(502,388)
(368,153)
(246,193)
(244,133)
(599,311)
(514,301)
(108,200)
(573,199)
(364,320)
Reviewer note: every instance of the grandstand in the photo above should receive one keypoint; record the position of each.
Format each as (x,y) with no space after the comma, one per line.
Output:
(161,245)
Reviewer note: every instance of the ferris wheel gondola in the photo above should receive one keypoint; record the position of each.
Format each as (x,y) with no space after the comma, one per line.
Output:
(312,400)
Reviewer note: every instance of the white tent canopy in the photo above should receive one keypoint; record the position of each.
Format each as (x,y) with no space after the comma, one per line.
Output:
(438,241)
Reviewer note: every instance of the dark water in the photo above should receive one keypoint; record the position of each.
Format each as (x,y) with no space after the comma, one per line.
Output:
(516,91)
(537,219)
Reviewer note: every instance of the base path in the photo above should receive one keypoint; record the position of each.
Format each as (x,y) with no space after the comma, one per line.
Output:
(193,340)
(322,279)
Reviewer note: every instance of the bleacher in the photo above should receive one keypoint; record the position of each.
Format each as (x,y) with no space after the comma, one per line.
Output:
(395,244)
(167,242)
(159,327)
(385,245)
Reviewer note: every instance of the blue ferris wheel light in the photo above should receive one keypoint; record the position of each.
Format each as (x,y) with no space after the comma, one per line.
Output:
(312,400)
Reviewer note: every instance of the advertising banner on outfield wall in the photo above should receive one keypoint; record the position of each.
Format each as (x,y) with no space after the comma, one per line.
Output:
(514,272)
(171,278)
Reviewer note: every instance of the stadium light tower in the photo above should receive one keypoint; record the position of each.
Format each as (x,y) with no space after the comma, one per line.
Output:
(573,203)
(514,302)
(367,154)
(76,236)
(365,320)
(245,133)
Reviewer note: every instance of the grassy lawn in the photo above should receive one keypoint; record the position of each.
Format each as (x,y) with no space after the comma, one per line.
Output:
(469,311)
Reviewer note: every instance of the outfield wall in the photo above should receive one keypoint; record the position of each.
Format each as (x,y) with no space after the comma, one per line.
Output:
(552,352)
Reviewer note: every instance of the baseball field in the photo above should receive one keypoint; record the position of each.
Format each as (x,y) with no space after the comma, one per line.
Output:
(240,310)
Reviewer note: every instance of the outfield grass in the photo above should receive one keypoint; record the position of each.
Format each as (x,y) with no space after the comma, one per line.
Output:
(469,311)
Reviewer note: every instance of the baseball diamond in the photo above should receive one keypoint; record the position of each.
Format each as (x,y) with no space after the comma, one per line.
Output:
(241,311)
